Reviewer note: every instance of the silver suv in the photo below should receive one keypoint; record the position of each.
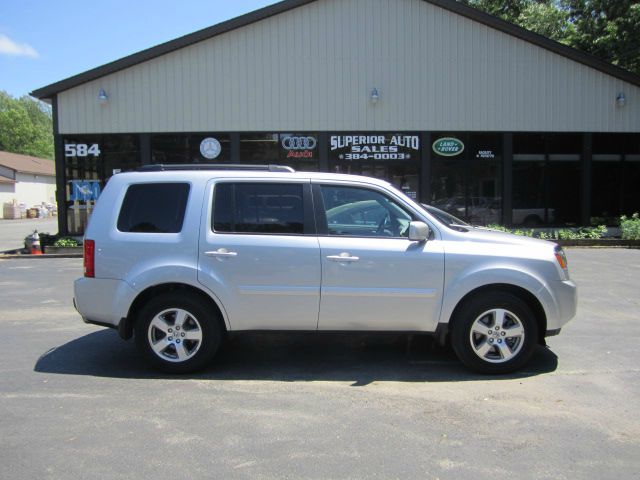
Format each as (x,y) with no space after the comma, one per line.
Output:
(178,256)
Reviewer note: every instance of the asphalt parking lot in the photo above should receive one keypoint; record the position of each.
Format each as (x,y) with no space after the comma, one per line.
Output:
(77,402)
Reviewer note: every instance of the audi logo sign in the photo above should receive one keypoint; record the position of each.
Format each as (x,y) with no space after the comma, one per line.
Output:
(299,143)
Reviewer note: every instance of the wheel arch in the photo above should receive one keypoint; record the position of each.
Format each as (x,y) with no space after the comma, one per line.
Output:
(126,325)
(525,295)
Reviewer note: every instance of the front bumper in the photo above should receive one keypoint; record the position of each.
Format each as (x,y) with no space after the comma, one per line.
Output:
(565,293)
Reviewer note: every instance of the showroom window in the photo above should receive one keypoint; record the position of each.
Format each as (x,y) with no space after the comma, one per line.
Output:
(466,176)
(394,157)
(296,150)
(631,191)
(615,177)
(546,179)
(176,148)
(90,160)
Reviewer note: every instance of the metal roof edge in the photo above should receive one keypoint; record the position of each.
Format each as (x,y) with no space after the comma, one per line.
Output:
(454,6)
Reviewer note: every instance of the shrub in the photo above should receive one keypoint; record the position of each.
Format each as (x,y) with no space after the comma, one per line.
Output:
(562,234)
(630,227)
(500,228)
(567,234)
(523,233)
(593,232)
(66,242)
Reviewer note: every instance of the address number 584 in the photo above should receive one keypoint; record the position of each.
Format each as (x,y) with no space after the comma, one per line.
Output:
(81,150)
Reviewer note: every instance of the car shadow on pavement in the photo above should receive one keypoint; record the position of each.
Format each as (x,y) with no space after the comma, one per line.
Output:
(357,358)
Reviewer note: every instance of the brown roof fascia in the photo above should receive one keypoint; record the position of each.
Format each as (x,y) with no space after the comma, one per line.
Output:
(6,180)
(27,164)
(451,5)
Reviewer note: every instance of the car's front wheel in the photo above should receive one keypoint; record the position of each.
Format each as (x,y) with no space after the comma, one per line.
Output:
(494,333)
(177,332)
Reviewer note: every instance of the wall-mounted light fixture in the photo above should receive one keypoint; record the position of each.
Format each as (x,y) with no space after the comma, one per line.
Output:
(621,100)
(103,98)
(375,96)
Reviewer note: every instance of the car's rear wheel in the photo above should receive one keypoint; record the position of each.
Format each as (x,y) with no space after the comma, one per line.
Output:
(494,333)
(178,332)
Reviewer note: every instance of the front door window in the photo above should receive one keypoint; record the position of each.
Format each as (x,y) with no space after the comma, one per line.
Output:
(359,212)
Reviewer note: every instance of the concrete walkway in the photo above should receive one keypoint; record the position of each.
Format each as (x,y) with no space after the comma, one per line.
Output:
(12,232)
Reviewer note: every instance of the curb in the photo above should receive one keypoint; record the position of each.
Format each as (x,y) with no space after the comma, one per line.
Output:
(599,243)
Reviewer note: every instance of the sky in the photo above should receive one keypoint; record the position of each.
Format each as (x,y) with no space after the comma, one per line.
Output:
(44,41)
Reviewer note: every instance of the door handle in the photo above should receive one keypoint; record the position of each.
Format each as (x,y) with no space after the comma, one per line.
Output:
(343,257)
(221,253)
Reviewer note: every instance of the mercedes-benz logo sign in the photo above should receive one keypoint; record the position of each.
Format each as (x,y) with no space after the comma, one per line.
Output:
(299,143)
(210,148)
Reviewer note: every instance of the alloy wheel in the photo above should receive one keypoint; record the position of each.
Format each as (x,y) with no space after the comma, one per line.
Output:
(497,335)
(175,335)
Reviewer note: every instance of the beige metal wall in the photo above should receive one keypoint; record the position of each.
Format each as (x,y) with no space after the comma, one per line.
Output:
(312,68)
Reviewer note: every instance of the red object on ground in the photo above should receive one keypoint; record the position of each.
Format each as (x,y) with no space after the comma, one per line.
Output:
(35,246)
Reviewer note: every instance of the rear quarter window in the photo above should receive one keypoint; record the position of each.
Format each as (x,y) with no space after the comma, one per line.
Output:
(154,208)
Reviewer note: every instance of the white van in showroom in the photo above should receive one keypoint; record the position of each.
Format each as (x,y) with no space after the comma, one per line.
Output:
(179,256)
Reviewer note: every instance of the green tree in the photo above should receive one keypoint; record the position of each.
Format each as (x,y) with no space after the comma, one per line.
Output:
(607,29)
(25,126)
(547,19)
(509,10)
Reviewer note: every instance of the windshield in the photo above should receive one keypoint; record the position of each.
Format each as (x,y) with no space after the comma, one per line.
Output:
(444,217)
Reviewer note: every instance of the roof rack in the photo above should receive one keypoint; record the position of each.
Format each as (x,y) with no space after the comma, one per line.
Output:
(160,167)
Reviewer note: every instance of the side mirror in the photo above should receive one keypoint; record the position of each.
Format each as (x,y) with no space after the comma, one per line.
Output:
(419,232)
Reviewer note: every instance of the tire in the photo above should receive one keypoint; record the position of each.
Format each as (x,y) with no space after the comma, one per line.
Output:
(494,333)
(178,332)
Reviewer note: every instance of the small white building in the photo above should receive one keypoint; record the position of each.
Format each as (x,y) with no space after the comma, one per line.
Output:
(25,180)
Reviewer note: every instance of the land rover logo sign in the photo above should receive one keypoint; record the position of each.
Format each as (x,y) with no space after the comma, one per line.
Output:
(210,148)
(448,147)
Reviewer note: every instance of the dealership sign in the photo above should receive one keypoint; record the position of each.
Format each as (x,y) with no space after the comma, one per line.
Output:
(84,190)
(210,148)
(299,146)
(375,147)
(448,147)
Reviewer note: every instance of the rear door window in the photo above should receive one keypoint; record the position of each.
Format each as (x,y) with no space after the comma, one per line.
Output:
(262,208)
(154,208)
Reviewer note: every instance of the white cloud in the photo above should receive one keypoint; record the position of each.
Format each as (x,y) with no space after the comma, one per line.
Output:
(9,47)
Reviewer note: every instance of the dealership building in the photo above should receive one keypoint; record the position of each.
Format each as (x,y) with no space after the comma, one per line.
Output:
(456,107)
